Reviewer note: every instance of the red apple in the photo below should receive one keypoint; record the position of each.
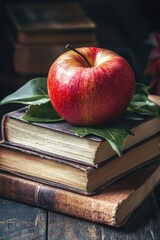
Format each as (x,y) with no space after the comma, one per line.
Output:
(90,93)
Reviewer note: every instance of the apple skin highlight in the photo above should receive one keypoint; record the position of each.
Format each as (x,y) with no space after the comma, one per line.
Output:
(90,95)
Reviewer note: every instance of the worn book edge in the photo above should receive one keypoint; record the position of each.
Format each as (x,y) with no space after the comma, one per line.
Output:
(66,128)
(87,170)
(113,206)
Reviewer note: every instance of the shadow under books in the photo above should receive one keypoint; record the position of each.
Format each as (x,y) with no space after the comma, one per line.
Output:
(141,218)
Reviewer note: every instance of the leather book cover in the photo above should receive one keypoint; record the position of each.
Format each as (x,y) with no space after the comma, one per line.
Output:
(113,206)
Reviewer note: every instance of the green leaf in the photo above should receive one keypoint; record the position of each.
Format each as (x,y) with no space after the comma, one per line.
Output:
(149,108)
(140,97)
(42,113)
(114,134)
(33,92)
(141,93)
(130,115)
(141,105)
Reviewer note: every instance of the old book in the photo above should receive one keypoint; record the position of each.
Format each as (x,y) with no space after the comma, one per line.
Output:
(28,59)
(36,34)
(49,23)
(74,176)
(113,206)
(59,140)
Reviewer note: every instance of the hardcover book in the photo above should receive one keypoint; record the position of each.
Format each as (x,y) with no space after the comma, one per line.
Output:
(58,139)
(77,177)
(113,206)
(36,34)
(50,23)
(28,59)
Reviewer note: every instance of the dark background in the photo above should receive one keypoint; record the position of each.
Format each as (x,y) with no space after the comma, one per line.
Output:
(122,26)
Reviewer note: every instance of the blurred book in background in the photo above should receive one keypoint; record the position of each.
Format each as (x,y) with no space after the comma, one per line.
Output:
(38,33)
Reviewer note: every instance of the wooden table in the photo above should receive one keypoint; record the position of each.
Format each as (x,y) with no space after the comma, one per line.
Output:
(23,222)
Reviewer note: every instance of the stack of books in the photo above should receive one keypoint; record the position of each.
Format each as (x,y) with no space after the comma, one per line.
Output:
(38,33)
(48,165)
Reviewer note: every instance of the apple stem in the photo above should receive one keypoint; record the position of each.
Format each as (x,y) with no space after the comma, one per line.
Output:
(73,49)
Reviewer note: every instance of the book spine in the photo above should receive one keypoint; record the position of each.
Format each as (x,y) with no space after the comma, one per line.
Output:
(3,130)
(55,199)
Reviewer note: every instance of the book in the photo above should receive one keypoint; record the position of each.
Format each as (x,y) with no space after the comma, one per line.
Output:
(50,23)
(77,177)
(35,30)
(29,59)
(112,206)
(59,140)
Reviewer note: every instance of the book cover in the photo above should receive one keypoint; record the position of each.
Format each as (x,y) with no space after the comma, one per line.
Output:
(71,175)
(49,23)
(59,139)
(113,206)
